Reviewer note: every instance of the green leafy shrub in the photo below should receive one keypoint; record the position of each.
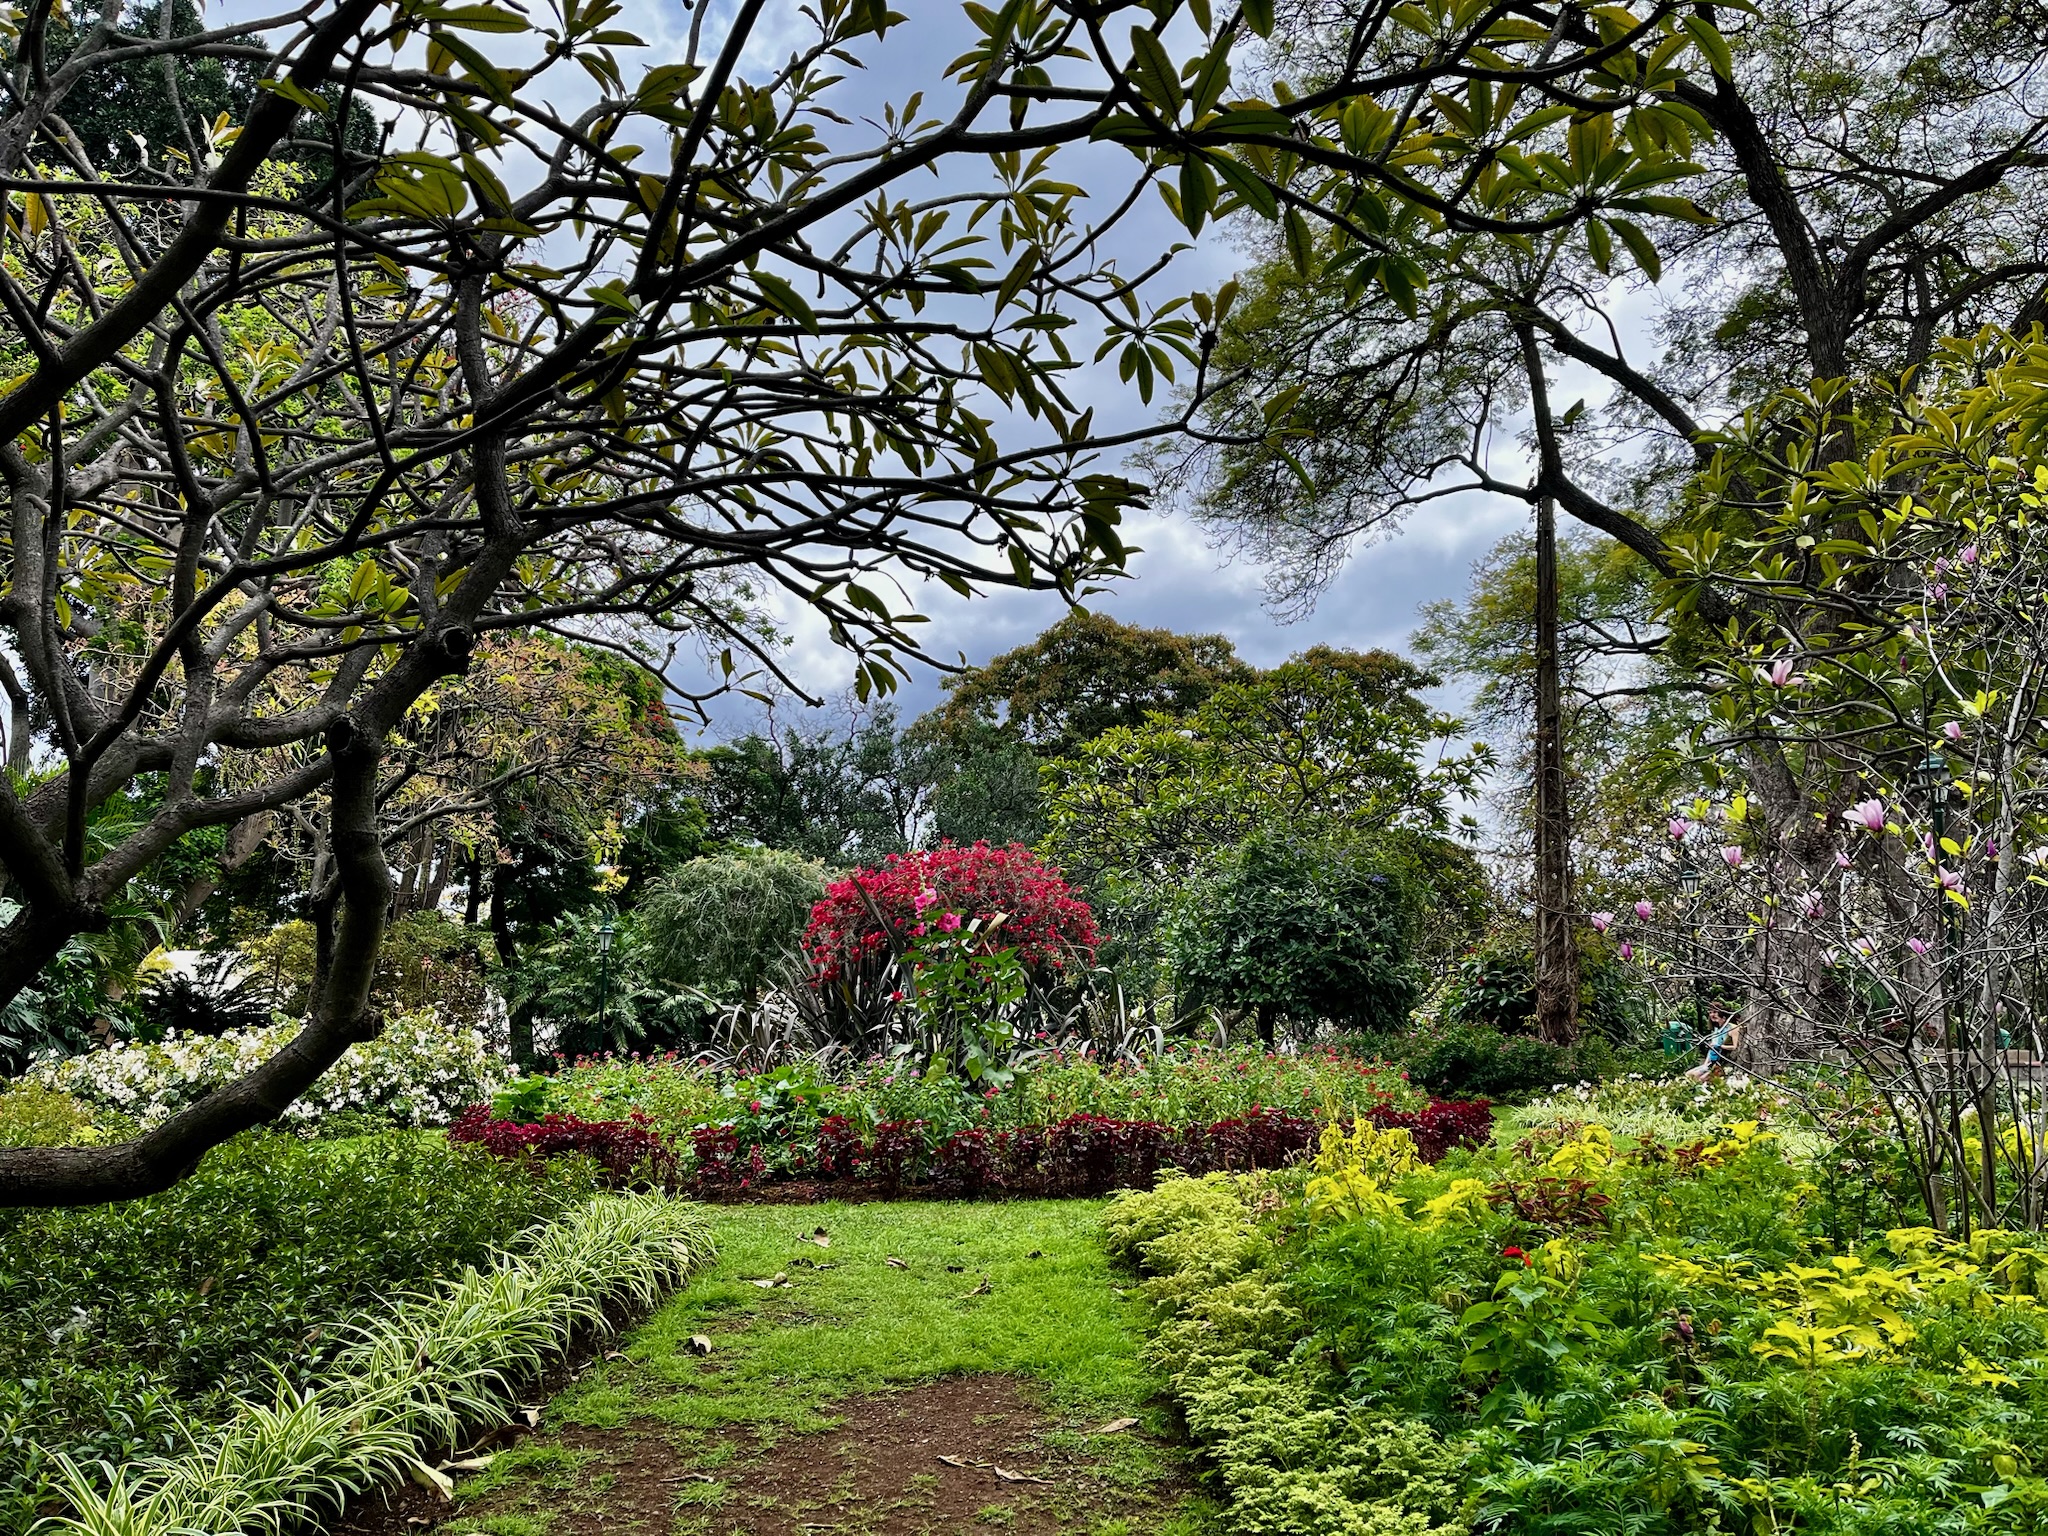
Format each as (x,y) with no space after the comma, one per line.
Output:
(32,1115)
(1186,1084)
(1291,1462)
(1494,987)
(1476,1061)
(1300,931)
(121,1324)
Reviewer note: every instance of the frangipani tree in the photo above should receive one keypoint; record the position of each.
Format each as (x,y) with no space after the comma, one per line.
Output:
(1892,640)
(276,451)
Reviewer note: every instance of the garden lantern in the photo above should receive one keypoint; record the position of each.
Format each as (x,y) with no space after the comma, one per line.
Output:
(1689,879)
(1931,777)
(604,971)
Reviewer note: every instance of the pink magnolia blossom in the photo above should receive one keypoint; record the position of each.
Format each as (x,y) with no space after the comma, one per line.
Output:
(1628,950)
(1602,921)
(1811,905)
(1843,861)
(1865,948)
(1991,849)
(1780,674)
(1953,730)
(1678,827)
(1643,910)
(1951,879)
(1867,814)
(1967,554)
(1938,593)
(1733,856)
(1917,945)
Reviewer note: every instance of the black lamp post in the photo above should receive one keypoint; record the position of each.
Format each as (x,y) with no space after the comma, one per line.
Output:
(604,972)
(1689,882)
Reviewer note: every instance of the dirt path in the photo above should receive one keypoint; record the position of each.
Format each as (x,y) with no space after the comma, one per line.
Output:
(885,1370)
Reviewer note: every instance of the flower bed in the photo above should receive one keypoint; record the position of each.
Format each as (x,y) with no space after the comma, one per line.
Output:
(1183,1085)
(1082,1154)
(1672,1331)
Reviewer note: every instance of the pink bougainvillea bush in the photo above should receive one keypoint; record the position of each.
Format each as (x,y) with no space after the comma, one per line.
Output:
(874,912)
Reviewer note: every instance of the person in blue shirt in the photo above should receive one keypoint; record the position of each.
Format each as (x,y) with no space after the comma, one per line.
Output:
(1724,1039)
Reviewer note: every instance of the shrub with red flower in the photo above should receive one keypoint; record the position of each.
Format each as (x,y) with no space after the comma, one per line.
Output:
(875,911)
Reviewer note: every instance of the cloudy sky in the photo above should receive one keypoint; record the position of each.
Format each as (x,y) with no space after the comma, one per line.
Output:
(1178,581)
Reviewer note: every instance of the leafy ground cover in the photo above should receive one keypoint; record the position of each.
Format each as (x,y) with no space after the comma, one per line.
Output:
(126,1329)
(847,1351)
(1679,1329)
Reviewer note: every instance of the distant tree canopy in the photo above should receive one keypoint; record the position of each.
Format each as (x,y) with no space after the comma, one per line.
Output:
(1084,675)
(1329,744)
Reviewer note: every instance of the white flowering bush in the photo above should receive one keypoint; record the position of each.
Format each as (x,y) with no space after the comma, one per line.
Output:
(419,1072)
(1674,1110)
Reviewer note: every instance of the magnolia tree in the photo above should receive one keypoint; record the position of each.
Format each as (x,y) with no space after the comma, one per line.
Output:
(1893,640)
(297,415)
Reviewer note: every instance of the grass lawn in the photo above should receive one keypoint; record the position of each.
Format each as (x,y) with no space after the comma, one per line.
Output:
(928,1367)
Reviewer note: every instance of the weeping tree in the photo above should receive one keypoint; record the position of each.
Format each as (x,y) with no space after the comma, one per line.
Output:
(286,435)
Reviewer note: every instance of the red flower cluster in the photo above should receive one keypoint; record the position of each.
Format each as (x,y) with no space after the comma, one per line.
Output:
(630,1151)
(1044,921)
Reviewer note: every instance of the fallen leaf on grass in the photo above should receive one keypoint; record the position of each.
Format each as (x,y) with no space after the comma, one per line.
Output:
(771,1282)
(895,1263)
(1114,1427)
(466,1464)
(531,1416)
(1019,1477)
(431,1479)
(1036,1253)
(980,1290)
(820,1237)
(963,1462)
(615,1354)
(698,1345)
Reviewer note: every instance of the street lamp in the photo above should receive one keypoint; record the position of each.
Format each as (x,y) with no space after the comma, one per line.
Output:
(604,971)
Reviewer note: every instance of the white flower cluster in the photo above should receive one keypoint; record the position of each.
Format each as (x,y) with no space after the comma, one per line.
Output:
(419,1072)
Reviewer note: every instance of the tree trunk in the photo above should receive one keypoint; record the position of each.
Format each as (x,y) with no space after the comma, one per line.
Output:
(1557,955)
(341,1016)
(519,1024)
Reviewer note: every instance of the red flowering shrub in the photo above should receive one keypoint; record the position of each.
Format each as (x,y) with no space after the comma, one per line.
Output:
(629,1150)
(1050,927)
